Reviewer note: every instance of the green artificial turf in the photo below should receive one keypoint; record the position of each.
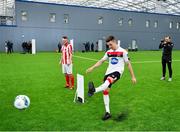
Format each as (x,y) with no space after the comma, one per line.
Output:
(151,104)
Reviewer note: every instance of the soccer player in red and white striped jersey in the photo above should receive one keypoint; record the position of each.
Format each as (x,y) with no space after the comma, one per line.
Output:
(66,61)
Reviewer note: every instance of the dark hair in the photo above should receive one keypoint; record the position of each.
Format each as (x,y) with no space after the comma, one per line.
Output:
(65,37)
(110,38)
(169,37)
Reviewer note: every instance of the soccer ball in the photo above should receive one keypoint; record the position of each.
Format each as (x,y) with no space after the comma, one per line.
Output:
(21,102)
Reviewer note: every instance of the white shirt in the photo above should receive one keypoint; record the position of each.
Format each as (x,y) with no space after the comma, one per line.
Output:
(117,59)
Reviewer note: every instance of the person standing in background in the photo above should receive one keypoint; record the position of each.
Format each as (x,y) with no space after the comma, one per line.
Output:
(96,47)
(59,47)
(12,47)
(9,46)
(92,47)
(66,61)
(6,47)
(167,47)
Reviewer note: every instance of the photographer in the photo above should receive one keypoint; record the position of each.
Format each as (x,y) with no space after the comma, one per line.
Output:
(167,47)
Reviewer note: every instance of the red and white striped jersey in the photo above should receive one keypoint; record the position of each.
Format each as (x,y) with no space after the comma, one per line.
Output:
(66,52)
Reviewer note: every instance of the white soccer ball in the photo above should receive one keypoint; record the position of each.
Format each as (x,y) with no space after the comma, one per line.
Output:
(21,102)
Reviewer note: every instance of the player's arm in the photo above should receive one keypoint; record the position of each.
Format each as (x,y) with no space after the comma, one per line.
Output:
(133,78)
(70,57)
(127,61)
(60,60)
(70,53)
(97,64)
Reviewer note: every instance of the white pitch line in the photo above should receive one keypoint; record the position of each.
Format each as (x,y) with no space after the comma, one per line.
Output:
(152,61)
(136,62)
(85,58)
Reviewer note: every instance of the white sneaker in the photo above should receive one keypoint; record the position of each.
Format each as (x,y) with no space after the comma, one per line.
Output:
(170,79)
(162,78)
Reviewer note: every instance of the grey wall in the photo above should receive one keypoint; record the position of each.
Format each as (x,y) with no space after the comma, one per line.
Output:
(83,27)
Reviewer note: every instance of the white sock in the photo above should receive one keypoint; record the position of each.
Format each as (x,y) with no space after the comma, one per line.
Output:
(102,87)
(106,102)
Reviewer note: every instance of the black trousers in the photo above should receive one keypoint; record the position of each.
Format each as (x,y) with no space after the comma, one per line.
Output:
(169,63)
(9,50)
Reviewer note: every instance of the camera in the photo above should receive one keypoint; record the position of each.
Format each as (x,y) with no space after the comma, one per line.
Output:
(162,40)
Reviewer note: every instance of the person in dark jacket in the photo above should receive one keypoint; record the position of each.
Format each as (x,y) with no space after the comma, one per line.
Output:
(92,47)
(59,47)
(167,47)
(24,47)
(9,45)
(29,47)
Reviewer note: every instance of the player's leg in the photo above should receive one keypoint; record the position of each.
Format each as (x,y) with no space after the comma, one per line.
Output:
(71,76)
(67,80)
(64,70)
(163,69)
(170,70)
(102,87)
(106,104)
(108,80)
(71,82)
(105,87)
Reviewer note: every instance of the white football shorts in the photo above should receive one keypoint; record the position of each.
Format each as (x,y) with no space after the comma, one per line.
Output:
(67,69)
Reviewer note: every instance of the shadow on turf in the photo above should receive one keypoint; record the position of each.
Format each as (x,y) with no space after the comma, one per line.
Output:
(121,116)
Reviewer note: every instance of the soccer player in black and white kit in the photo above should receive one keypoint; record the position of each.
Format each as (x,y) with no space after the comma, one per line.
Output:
(167,47)
(117,57)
